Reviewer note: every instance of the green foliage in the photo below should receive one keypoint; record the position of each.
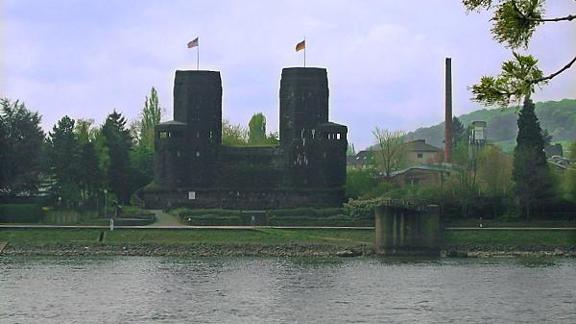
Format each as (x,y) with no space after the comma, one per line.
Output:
(514,23)
(149,117)
(516,81)
(459,134)
(275,217)
(64,161)
(257,129)
(350,151)
(233,135)
(20,213)
(142,155)
(119,144)
(21,149)
(390,150)
(495,172)
(359,183)
(533,184)
(558,117)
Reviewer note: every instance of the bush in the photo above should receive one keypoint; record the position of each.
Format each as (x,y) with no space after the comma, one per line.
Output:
(359,183)
(337,220)
(305,212)
(21,213)
(276,217)
(213,220)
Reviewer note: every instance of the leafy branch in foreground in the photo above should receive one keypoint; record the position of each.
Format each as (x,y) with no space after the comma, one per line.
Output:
(514,23)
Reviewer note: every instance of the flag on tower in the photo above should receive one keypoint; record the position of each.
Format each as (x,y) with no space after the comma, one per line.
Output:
(193,43)
(300,46)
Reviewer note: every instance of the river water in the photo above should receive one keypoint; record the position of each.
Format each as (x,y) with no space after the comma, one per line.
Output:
(287,290)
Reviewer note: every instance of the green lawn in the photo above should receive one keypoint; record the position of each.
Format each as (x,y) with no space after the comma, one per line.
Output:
(507,237)
(23,237)
(343,237)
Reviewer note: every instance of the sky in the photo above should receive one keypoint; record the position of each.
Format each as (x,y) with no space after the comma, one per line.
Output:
(385,58)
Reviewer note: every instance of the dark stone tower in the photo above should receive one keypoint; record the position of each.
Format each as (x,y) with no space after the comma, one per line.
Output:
(303,106)
(188,146)
(303,102)
(198,103)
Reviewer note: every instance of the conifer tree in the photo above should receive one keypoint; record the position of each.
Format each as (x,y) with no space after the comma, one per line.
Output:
(531,176)
(64,156)
(119,144)
(21,149)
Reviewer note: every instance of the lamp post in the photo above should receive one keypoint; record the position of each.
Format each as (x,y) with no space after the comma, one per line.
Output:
(105,198)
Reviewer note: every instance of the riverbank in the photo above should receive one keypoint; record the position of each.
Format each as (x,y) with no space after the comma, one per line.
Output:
(274,242)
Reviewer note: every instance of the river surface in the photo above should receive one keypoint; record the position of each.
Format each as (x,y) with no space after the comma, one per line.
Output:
(287,290)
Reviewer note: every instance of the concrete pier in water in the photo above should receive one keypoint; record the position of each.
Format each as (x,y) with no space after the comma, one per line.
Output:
(401,230)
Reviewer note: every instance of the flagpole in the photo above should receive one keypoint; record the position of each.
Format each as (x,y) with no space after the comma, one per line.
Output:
(198,57)
(304,51)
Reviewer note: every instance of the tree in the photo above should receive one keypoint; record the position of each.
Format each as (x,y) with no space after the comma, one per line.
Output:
(90,172)
(495,171)
(233,135)
(64,156)
(257,129)
(458,132)
(570,176)
(119,143)
(21,150)
(514,23)
(142,156)
(351,151)
(390,152)
(149,117)
(531,176)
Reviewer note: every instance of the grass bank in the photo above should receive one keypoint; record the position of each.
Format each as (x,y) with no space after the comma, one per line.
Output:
(512,238)
(273,242)
(186,241)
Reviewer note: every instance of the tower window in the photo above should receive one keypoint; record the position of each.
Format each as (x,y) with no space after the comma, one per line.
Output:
(419,155)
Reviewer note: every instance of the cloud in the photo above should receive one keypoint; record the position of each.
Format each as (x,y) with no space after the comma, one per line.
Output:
(385,59)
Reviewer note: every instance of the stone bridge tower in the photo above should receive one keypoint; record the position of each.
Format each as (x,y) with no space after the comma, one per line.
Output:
(311,144)
(187,147)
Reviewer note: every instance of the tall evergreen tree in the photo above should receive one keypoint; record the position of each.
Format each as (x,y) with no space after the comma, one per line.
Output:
(64,154)
(149,118)
(257,129)
(458,132)
(119,143)
(533,183)
(142,156)
(21,149)
(90,174)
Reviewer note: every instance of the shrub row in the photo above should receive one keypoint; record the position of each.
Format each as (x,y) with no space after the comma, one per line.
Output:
(338,220)
(21,213)
(277,217)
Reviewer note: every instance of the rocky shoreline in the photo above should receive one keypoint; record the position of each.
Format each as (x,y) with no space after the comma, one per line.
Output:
(287,250)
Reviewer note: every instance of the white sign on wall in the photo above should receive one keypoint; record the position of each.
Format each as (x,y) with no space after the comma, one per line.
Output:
(191,195)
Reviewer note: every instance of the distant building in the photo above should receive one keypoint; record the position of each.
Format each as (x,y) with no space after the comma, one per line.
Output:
(419,152)
(362,160)
(416,153)
(422,175)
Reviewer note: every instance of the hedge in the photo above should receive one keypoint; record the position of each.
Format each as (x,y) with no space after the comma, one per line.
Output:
(213,220)
(21,213)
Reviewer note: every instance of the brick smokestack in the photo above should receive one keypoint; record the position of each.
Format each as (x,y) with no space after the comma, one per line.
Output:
(448,113)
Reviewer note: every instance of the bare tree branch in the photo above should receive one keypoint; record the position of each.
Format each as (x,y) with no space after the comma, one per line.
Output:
(551,76)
